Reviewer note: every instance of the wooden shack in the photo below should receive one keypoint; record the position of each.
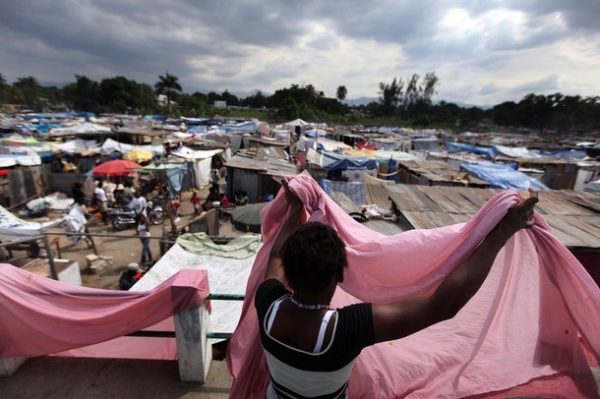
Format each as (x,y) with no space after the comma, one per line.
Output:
(436,173)
(256,174)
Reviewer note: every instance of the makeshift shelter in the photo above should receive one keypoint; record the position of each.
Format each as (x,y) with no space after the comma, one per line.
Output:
(503,176)
(436,173)
(354,190)
(351,170)
(201,161)
(256,176)
(80,129)
(488,152)
(296,122)
(177,176)
(12,226)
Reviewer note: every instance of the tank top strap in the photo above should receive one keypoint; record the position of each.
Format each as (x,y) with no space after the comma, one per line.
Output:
(322,330)
(273,313)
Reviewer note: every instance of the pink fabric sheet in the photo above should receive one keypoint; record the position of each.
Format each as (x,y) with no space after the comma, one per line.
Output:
(40,316)
(524,328)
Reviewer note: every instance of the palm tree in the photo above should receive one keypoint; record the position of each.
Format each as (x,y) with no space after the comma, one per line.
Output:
(169,86)
(341,92)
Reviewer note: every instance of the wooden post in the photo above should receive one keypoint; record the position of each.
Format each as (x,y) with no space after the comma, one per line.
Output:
(193,352)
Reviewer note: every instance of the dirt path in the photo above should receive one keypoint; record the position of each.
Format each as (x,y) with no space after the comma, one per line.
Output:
(123,250)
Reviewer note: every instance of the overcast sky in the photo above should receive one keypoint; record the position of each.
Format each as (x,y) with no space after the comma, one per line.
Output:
(484,52)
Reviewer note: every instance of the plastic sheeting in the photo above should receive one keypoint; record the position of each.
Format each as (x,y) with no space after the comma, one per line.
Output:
(353,190)
(460,147)
(344,164)
(516,152)
(522,327)
(503,176)
(12,226)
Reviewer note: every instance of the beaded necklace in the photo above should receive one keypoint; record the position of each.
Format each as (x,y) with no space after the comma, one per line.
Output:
(305,306)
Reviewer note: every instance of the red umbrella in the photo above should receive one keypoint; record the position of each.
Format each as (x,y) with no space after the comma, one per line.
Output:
(118,167)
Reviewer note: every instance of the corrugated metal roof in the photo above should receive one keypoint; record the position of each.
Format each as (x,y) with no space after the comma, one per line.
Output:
(424,207)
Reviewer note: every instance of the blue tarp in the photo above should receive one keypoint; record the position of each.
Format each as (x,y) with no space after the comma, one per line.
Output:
(316,133)
(344,164)
(240,127)
(460,147)
(569,154)
(354,190)
(503,176)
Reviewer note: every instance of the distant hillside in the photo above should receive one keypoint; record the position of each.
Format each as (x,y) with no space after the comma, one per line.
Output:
(359,101)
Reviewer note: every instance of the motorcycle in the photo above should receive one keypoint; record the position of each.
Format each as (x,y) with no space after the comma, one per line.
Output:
(122,219)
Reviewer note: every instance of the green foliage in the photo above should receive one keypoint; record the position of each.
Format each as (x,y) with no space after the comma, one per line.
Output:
(407,98)
(341,92)
(555,111)
(169,86)
(29,91)
(120,94)
(256,100)
(3,89)
(194,104)
(401,103)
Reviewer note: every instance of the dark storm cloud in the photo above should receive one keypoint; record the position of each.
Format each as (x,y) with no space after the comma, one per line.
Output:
(216,44)
(140,39)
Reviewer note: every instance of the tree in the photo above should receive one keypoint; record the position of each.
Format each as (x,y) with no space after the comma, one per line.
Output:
(3,89)
(29,90)
(230,99)
(256,100)
(341,92)
(169,86)
(389,95)
(429,84)
(83,95)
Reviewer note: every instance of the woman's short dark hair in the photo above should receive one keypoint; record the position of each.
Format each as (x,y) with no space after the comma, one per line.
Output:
(313,255)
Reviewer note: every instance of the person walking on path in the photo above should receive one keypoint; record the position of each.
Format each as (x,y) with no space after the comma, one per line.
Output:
(139,204)
(143,229)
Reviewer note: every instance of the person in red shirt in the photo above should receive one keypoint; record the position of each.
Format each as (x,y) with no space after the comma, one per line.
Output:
(195,200)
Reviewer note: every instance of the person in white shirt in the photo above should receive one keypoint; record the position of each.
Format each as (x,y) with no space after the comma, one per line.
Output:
(101,201)
(139,204)
(143,229)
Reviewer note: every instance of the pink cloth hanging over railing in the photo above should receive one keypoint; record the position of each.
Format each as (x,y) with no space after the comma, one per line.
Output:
(40,316)
(524,327)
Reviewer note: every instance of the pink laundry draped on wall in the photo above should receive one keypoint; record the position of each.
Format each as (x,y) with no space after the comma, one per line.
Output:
(527,327)
(40,316)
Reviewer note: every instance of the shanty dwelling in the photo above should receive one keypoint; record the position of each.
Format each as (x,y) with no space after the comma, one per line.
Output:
(22,183)
(140,135)
(574,217)
(257,175)
(436,173)
(563,174)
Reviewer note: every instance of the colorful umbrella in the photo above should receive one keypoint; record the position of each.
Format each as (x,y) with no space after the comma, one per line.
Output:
(118,167)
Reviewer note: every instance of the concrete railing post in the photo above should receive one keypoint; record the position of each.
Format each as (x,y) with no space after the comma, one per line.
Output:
(9,365)
(193,352)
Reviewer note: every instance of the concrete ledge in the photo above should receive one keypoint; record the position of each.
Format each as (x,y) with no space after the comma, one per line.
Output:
(9,365)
